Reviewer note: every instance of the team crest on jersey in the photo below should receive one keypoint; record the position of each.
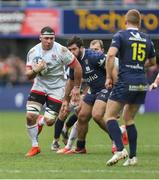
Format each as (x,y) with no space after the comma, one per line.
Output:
(64,49)
(86,61)
(54,57)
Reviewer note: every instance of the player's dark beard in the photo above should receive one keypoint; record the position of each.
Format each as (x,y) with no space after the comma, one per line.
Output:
(79,55)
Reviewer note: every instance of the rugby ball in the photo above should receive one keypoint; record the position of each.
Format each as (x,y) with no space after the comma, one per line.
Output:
(36,60)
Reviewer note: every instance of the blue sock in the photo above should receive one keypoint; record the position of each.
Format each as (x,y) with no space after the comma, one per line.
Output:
(115,133)
(72,119)
(132,137)
(58,128)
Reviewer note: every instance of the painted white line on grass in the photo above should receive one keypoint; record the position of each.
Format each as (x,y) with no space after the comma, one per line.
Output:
(106,170)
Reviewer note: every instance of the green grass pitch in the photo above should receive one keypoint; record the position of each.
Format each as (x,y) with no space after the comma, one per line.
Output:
(14,143)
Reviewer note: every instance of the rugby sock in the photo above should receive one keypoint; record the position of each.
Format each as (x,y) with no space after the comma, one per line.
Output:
(72,119)
(58,128)
(72,136)
(115,133)
(132,137)
(81,144)
(33,133)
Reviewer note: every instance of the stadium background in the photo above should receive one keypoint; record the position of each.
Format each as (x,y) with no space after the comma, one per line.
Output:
(20,22)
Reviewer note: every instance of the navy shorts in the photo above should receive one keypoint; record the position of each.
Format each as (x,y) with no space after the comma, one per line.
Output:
(129,94)
(103,95)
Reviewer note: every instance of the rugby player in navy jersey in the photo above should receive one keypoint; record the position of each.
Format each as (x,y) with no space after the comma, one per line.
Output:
(92,63)
(135,51)
(96,45)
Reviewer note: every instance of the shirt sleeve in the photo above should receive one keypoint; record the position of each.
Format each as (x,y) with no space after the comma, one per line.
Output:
(116,41)
(30,56)
(152,52)
(66,56)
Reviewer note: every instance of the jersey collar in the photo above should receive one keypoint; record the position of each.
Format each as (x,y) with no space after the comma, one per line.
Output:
(132,28)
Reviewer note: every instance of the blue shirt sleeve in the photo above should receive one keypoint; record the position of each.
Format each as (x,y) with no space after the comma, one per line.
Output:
(152,52)
(116,41)
(98,59)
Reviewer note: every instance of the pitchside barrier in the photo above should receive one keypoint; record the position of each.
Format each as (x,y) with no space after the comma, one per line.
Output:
(13,98)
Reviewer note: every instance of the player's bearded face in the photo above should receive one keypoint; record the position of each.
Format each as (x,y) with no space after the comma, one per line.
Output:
(75,50)
(47,41)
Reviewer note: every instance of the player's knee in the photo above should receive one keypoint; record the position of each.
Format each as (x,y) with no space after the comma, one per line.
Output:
(97,116)
(82,118)
(49,122)
(50,117)
(31,118)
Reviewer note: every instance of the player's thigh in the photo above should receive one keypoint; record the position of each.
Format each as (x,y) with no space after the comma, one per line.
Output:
(112,110)
(53,103)
(98,110)
(34,105)
(85,112)
(129,113)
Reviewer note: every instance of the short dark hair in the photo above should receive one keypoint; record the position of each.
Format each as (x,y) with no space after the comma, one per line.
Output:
(75,40)
(47,30)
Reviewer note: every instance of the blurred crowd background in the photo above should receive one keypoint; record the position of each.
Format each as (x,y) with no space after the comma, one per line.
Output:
(14,46)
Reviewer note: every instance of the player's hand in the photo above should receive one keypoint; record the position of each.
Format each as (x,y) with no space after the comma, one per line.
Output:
(41,65)
(109,83)
(152,86)
(75,93)
(65,107)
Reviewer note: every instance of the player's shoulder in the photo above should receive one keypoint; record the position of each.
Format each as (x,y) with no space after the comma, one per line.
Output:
(34,49)
(92,53)
(60,47)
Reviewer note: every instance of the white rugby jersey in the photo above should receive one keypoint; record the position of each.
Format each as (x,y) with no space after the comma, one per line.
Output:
(55,58)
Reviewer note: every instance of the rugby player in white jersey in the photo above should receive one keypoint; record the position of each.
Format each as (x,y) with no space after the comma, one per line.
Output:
(45,64)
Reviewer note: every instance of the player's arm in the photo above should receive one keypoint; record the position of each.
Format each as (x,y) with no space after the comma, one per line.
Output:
(32,72)
(155,84)
(109,65)
(29,72)
(77,80)
(115,70)
(68,87)
(150,62)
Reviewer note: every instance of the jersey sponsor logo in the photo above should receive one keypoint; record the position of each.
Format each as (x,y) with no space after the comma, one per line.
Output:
(54,57)
(138,87)
(101,62)
(134,66)
(136,37)
(92,78)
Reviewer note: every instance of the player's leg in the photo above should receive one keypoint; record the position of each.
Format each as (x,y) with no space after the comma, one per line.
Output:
(70,122)
(58,130)
(128,115)
(73,135)
(84,116)
(33,107)
(112,110)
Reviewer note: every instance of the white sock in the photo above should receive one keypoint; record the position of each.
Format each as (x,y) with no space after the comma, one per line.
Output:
(72,136)
(64,129)
(122,129)
(41,120)
(33,133)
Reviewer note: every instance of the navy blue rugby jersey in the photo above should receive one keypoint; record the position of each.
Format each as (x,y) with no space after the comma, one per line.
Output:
(134,48)
(94,73)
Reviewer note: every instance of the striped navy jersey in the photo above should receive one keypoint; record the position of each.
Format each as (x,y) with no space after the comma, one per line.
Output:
(134,48)
(94,73)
